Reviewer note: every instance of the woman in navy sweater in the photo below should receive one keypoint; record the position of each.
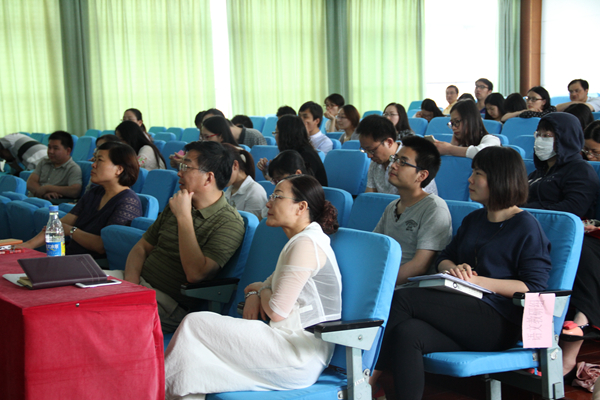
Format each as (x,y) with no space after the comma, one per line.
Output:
(501,248)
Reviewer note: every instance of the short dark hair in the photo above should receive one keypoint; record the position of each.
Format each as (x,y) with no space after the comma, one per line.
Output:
(377,128)
(506,176)
(307,188)
(285,110)
(199,118)
(429,105)
(123,155)
(243,120)
(473,130)
(219,126)
(428,157)
(66,140)
(466,96)
(212,157)
(592,131)
(108,138)
(352,114)
(402,124)
(545,96)
(582,112)
(214,112)
(514,102)
(495,99)
(584,84)
(244,159)
(487,83)
(315,110)
(292,134)
(132,134)
(453,87)
(336,99)
(288,162)
(138,116)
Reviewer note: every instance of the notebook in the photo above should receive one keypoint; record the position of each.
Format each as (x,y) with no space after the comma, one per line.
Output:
(450,283)
(47,272)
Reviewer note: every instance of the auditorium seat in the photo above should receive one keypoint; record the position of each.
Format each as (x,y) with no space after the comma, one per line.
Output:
(334,135)
(337,144)
(415,105)
(10,183)
(86,169)
(161,184)
(438,125)
(260,151)
(518,149)
(157,129)
(418,125)
(367,210)
(493,127)
(84,148)
(178,132)
(451,179)
(351,145)
(165,136)
(190,135)
(139,184)
(372,112)
(347,169)
(269,127)
(342,201)
(257,122)
(149,206)
(169,148)
(519,126)
(93,133)
(526,143)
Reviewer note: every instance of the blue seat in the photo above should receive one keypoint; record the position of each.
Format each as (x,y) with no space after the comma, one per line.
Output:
(269,127)
(86,169)
(337,144)
(142,223)
(560,99)
(20,219)
(14,195)
(412,113)
(351,145)
(161,184)
(565,232)
(190,135)
(367,210)
(75,139)
(321,155)
(149,206)
(268,186)
(366,294)
(41,215)
(526,143)
(93,133)
(25,175)
(529,166)
(10,183)
(342,201)
(165,136)
(178,132)
(518,149)
(347,169)
(45,138)
(139,184)
(519,126)
(171,147)
(334,135)
(372,112)
(118,241)
(41,203)
(596,115)
(323,124)
(159,144)
(493,127)
(107,132)
(503,139)
(66,207)
(157,129)
(39,137)
(443,137)
(5,232)
(415,105)
(243,146)
(258,122)
(438,125)
(418,125)
(459,210)
(84,148)
(260,151)
(451,179)
(271,141)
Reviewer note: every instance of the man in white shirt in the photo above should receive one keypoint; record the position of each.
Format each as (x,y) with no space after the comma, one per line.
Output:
(578,92)
(312,115)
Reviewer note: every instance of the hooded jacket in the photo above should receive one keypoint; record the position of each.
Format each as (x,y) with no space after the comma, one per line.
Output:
(571,184)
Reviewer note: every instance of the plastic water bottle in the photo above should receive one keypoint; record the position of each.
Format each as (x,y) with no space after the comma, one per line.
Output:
(55,235)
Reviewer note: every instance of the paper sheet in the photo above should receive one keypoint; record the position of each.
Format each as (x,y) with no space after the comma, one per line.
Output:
(537,320)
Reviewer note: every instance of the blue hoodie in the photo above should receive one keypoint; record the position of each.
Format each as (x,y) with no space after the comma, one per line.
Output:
(571,184)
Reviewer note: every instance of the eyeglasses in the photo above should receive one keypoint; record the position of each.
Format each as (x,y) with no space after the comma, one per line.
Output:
(372,151)
(395,158)
(390,115)
(275,133)
(184,167)
(591,153)
(543,135)
(274,197)
(454,123)
(206,137)
(480,87)
(532,99)
(340,117)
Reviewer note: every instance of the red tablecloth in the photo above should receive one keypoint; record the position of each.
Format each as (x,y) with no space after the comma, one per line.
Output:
(71,343)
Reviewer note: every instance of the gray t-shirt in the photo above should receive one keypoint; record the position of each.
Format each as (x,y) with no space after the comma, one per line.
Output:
(66,175)
(251,137)
(25,149)
(426,225)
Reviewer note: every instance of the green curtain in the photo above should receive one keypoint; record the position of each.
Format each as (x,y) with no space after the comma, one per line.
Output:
(386,52)
(31,77)
(337,46)
(509,68)
(153,55)
(278,54)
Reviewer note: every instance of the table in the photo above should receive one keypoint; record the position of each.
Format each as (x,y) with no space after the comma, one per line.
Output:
(71,343)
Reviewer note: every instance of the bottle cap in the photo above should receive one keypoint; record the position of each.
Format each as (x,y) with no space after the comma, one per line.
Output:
(53,208)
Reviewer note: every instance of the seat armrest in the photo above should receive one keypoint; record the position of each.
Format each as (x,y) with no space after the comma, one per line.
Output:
(219,290)
(210,283)
(357,333)
(560,302)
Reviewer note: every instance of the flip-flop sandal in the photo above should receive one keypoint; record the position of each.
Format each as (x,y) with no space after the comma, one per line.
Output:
(572,332)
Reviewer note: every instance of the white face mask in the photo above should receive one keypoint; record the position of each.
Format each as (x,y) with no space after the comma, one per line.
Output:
(544,148)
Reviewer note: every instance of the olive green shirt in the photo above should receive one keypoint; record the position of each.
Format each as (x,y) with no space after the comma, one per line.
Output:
(219,230)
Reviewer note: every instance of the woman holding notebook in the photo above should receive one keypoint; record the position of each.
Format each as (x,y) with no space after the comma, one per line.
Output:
(499,247)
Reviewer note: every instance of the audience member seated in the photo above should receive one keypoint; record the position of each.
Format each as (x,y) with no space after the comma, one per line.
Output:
(99,142)
(469,133)
(347,120)
(578,93)
(429,110)
(280,355)
(420,222)
(396,113)
(216,129)
(465,96)
(149,156)
(111,202)
(176,158)
(248,136)
(499,247)
(591,136)
(451,98)
(377,138)
(483,88)
(494,107)
(243,192)
(538,105)
(291,134)
(194,236)
(514,102)
(212,112)
(19,148)
(333,103)
(242,121)
(57,177)
(312,115)
(285,110)
(582,112)
(135,115)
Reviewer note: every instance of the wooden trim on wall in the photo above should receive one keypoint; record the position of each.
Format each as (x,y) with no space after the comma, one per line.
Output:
(531,43)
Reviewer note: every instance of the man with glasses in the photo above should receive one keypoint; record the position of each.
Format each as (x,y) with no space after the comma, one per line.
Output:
(419,221)
(483,87)
(578,93)
(377,136)
(194,236)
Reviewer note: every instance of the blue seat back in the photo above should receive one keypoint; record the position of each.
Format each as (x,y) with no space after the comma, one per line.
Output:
(351,145)
(45,138)
(243,146)
(149,206)
(159,144)
(342,201)
(39,137)
(190,135)
(93,133)
(139,184)
(596,115)
(157,129)
(118,241)
(415,105)
(260,151)
(269,127)
(529,166)
(271,141)
(418,125)
(451,179)
(459,210)
(40,203)
(554,100)
(372,112)
(5,232)
(142,223)
(519,126)
(161,184)
(75,140)
(171,147)
(336,144)
(518,149)
(25,175)
(503,139)
(41,215)
(86,169)
(165,136)
(347,169)
(66,207)
(334,135)
(268,186)
(84,148)
(493,127)
(107,132)
(321,155)
(438,125)
(412,113)
(10,183)
(178,132)
(14,195)
(367,210)
(258,122)
(20,219)
(526,143)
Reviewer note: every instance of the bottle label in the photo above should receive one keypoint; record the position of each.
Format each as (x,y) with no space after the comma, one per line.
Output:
(55,249)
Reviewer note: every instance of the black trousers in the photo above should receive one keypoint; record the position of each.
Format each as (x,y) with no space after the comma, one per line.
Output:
(427,320)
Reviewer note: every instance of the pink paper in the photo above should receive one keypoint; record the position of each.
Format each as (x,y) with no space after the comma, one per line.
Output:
(537,320)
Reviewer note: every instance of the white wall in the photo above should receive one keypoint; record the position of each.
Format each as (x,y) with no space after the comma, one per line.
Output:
(569,44)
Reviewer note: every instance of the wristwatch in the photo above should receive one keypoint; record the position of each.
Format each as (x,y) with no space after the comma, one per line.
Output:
(73,229)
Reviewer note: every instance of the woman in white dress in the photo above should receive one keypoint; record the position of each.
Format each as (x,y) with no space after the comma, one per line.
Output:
(211,353)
